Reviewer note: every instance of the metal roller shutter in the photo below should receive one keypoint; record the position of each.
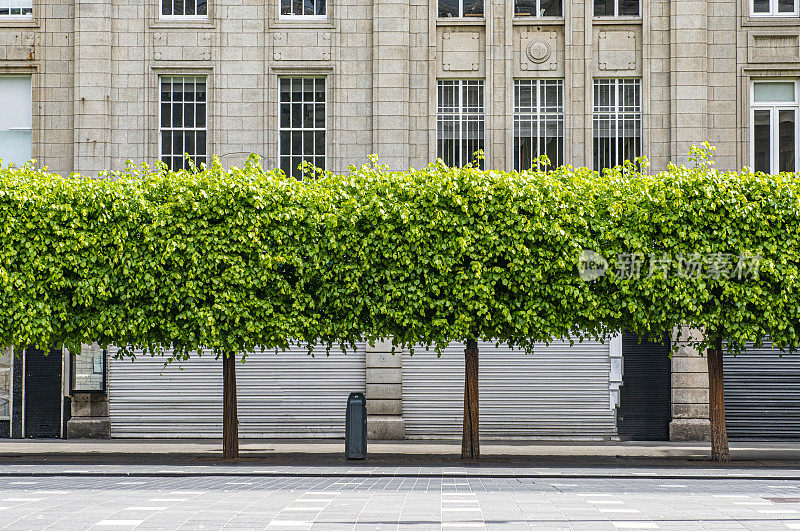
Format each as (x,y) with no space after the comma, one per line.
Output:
(558,392)
(289,394)
(762,395)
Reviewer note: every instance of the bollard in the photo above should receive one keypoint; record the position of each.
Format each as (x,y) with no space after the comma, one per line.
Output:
(355,431)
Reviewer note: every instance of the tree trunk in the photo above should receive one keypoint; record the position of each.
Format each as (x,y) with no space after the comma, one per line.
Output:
(470,442)
(230,418)
(716,405)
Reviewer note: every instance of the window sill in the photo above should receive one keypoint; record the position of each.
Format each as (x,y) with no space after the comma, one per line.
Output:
(771,22)
(299,23)
(608,21)
(7,21)
(461,21)
(534,21)
(183,23)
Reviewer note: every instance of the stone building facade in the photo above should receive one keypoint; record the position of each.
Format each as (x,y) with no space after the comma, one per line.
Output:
(408,80)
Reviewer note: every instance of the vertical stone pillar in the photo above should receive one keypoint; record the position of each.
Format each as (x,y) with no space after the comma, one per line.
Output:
(92,92)
(390,82)
(689,392)
(384,393)
(689,75)
(89,409)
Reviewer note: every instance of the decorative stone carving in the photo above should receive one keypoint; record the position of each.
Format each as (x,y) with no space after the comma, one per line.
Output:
(617,50)
(461,51)
(536,50)
(771,48)
(302,46)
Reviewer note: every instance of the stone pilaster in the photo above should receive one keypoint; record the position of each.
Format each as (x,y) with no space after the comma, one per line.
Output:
(384,393)
(92,104)
(89,417)
(689,392)
(390,82)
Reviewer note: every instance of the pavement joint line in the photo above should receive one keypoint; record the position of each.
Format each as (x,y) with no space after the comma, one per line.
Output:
(120,523)
(22,499)
(145,508)
(617,510)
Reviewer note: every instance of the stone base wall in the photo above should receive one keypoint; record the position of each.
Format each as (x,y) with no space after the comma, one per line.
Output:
(689,392)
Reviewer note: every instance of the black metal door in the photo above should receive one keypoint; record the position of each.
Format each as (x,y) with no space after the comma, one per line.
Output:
(645,410)
(42,393)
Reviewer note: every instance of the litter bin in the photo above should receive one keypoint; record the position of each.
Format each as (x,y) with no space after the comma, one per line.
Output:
(355,430)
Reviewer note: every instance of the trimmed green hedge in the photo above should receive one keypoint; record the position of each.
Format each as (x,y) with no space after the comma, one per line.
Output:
(246,259)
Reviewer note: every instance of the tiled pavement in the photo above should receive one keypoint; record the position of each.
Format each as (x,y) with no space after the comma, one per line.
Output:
(246,502)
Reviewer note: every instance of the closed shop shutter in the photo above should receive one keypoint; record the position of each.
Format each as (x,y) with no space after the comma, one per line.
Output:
(762,395)
(288,394)
(560,391)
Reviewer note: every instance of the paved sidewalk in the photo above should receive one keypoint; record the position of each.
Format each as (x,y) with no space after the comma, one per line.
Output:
(303,458)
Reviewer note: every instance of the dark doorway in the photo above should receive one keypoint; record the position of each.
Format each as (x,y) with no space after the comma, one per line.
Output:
(42,394)
(645,409)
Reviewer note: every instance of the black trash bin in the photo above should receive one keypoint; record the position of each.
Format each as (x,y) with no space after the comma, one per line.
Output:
(355,431)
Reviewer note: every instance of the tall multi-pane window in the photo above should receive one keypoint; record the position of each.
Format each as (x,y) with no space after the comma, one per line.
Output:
(460,8)
(774,8)
(537,8)
(303,8)
(183,121)
(616,8)
(460,121)
(16,119)
(538,122)
(617,121)
(16,8)
(302,123)
(183,8)
(774,129)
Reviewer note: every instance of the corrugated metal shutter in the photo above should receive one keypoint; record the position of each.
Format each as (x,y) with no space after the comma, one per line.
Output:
(762,394)
(288,394)
(560,391)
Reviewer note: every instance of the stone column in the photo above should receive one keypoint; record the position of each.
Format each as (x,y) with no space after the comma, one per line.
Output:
(689,392)
(89,418)
(384,393)
(390,82)
(92,104)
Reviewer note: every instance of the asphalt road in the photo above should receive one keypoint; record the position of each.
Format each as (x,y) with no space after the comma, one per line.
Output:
(248,502)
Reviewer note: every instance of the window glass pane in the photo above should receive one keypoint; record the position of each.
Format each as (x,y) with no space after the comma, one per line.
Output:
(786,140)
(550,8)
(178,7)
(603,8)
(202,7)
(473,8)
(89,366)
(525,8)
(15,119)
(6,359)
(448,8)
(760,6)
(286,7)
(761,141)
(786,6)
(773,92)
(190,7)
(629,8)
(166,7)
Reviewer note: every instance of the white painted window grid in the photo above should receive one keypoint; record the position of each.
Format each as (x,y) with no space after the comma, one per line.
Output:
(774,8)
(617,121)
(303,10)
(619,8)
(774,108)
(16,9)
(184,10)
(539,8)
(538,121)
(183,127)
(461,8)
(303,123)
(460,121)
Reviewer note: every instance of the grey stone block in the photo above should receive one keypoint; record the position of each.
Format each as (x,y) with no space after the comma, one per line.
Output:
(384,359)
(388,376)
(690,430)
(384,391)
(89,428)
(386,427)
(384,407)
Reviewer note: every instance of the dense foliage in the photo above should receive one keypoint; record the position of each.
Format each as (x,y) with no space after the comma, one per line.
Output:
(242,259)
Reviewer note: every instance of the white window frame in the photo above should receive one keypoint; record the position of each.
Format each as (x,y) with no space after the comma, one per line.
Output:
(303,18)
(461,11)
(302,128)
(539,116)
(619,115)
(8,4)
(616,12)
(538,12)
(183,128)
(773,10)
(182,18)
(774,126)
(462,115)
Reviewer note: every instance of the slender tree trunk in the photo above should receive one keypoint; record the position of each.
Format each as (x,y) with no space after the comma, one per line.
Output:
(716,404)
(470,441)
(230,418)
